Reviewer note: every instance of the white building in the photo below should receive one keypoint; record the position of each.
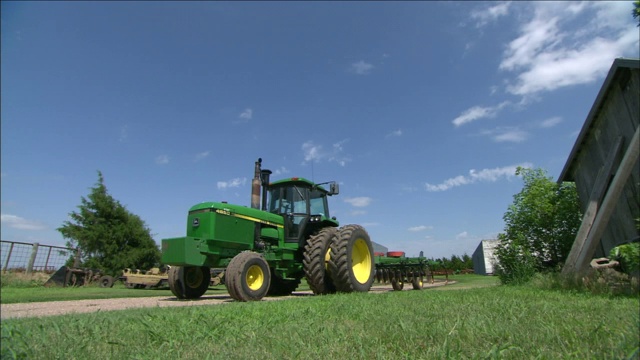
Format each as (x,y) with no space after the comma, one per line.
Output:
(484,257)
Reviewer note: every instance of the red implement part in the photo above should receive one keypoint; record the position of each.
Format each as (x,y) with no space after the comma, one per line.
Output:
(395,254)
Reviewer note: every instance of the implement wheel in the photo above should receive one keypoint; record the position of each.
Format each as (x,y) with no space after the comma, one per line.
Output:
(316,258)
(106,281)
(417,281)
(248,277)
(397,282)
(189,282)
(351,265)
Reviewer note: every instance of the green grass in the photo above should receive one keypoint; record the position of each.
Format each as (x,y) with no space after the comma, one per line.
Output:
(498,322)
(11,295)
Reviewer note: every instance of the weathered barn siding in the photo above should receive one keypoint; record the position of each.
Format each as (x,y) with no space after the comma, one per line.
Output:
(484,257)
(614,114)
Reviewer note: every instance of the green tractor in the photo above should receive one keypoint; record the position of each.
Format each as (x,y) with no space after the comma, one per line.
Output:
(269,247)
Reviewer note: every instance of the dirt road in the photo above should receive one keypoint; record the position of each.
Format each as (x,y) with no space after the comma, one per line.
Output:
(38,309)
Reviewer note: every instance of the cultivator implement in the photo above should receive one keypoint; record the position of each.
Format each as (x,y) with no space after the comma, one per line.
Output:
(397,269)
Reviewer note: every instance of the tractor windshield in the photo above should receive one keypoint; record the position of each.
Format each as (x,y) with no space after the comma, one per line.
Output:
(297,200)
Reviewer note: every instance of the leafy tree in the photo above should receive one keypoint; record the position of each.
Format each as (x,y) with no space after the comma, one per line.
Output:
(456,263)
(467,261)
(540,225)
(636,11)
(110,237)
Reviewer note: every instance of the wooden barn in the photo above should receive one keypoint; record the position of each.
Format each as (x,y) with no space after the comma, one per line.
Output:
(604,165)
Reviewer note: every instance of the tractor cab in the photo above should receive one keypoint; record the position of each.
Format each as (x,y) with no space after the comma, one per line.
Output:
(303,206)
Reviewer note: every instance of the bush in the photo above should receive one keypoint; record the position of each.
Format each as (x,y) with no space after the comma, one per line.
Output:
(517,265)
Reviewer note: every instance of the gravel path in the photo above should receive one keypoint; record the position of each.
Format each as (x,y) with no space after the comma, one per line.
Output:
(51,308)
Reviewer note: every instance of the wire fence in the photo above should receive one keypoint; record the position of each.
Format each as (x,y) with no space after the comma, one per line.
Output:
(28,257)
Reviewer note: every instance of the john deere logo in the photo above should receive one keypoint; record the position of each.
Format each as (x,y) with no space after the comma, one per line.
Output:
(196,222)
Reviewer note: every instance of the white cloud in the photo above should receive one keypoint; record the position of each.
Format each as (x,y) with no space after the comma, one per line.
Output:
(551,53)
(359,201)
(395,133)
(511,135)
(162,160)
(478,112)
(18,222)
(551,122)
(233,183)
(420,228)
(247,114)
(314,153)
(124,133)
(202,155)
(491,13)
(506,134)
(281,170)
(484,175)
(462,235)
(361,67)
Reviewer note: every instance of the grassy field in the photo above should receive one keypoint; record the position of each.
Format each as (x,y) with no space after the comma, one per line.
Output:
(28,290)
(475,322)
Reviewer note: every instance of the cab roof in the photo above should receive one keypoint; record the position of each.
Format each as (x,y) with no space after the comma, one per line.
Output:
(297,181)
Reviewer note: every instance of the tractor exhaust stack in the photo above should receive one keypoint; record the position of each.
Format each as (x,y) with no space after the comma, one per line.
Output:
(255,185)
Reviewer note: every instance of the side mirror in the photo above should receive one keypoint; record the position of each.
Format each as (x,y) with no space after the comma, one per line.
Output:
(334,188)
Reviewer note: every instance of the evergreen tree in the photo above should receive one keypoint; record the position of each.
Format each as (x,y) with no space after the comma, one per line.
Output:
(110,237)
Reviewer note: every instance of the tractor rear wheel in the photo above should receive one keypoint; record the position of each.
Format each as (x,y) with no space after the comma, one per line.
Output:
(189,282)
(315,261)
(351,264)
(248,277)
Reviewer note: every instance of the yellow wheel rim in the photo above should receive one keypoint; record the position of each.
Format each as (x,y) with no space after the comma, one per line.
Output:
(255,277)
(361,261)
(327,257)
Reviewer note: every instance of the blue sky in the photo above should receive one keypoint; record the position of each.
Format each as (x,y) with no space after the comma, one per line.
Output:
(421,110)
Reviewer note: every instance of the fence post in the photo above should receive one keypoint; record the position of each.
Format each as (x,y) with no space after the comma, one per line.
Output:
(6,263)
(32,259)
(46,263)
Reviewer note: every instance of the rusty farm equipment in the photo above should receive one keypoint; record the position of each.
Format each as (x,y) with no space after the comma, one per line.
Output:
(156,278)
(69,276)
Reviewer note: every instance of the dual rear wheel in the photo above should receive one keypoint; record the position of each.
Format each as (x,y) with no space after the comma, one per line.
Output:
(339,260)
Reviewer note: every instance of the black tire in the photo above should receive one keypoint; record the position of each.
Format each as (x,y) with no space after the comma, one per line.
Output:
(352,263)
(189,282)
(417,281)
(282,287)
(106,281)
(129,285)
(397,282)
(248,277)
(315,261)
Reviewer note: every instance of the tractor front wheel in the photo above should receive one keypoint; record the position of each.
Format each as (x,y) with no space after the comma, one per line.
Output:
(351,264)
(248,277)
(189,282)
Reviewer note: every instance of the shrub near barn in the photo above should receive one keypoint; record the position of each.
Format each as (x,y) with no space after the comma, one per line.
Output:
(540,227)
